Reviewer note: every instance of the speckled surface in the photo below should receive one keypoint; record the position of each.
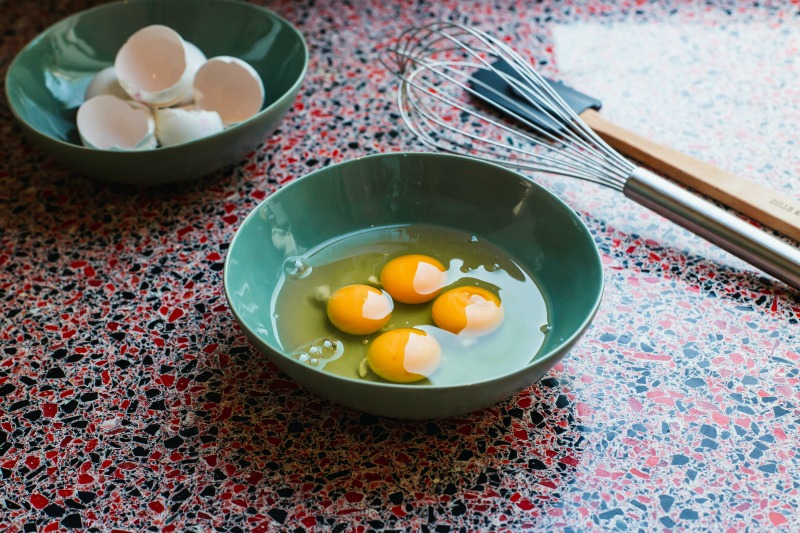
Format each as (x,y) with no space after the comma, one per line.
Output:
(130,401)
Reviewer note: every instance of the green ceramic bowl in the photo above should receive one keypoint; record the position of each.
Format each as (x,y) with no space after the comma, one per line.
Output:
(531,224)
(46,82)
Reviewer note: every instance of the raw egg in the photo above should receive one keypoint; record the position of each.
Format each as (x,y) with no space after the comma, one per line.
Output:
(413,278)
(359,309)
(471,311)
(404,355)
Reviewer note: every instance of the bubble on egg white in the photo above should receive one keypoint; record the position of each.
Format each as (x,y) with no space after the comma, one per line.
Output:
(473,238)
(330,348)
(297,267)
(546,328)
(319,352)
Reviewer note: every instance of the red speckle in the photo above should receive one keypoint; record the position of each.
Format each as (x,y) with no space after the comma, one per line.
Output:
(38,501)
(158,507)
(255,477)
(353,497)
(182,383)
(85,479)
(210,348)
(175,315)
(777,519)
(525,504)
(211,460)
(167,379)
(183,231)
(32,462)
(230,219)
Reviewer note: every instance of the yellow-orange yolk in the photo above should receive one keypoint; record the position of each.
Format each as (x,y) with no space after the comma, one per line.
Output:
(414,278)
(359,309)
(404,355)
(470,311)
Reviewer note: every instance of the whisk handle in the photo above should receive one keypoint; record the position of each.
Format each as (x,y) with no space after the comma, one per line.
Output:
(719,227)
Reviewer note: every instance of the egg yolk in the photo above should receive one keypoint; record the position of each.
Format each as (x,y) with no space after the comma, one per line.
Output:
(359,309)
(404,355)
(414,278)
(471,311)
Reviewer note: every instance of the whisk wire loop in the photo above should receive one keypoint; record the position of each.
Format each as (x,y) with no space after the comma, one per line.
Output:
(439,102)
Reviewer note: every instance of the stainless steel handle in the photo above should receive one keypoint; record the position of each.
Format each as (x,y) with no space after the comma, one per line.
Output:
(717,226)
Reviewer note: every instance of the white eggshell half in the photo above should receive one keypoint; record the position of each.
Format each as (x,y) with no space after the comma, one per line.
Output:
(175,125)
(105,82)
(110,123)
(229,86)
(152,66)
(194,60)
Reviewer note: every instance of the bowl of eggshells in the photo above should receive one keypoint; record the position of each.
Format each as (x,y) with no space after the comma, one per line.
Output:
(147,92)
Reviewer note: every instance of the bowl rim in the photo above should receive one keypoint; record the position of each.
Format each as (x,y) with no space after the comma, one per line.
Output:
(536,359)
(161,149)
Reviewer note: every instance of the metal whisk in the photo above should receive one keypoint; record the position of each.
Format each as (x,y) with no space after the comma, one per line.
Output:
(445,102)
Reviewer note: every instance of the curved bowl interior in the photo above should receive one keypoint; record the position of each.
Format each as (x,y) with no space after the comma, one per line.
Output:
(501,206)
(47,80)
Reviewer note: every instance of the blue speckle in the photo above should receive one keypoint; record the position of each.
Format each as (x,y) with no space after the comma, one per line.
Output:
(709,443)
(611,513)
(709,431)
(779,411)
(770,468)
(749,380)
(688,514)
(695,382)
(667,521)
(679,459)
(666,502)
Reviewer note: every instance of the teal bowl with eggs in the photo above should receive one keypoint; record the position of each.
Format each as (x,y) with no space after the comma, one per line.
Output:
(47,80)
(459,195)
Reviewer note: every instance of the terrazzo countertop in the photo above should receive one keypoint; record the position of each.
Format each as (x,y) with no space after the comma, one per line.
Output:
(130,400)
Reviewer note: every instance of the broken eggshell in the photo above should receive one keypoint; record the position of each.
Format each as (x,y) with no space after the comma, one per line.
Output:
(105,82)
(175,125)
(194,60)
(229,86)
(152,66)
(111,123)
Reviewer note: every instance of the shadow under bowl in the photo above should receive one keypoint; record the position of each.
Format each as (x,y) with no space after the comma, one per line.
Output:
(493,203)
(46,82)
